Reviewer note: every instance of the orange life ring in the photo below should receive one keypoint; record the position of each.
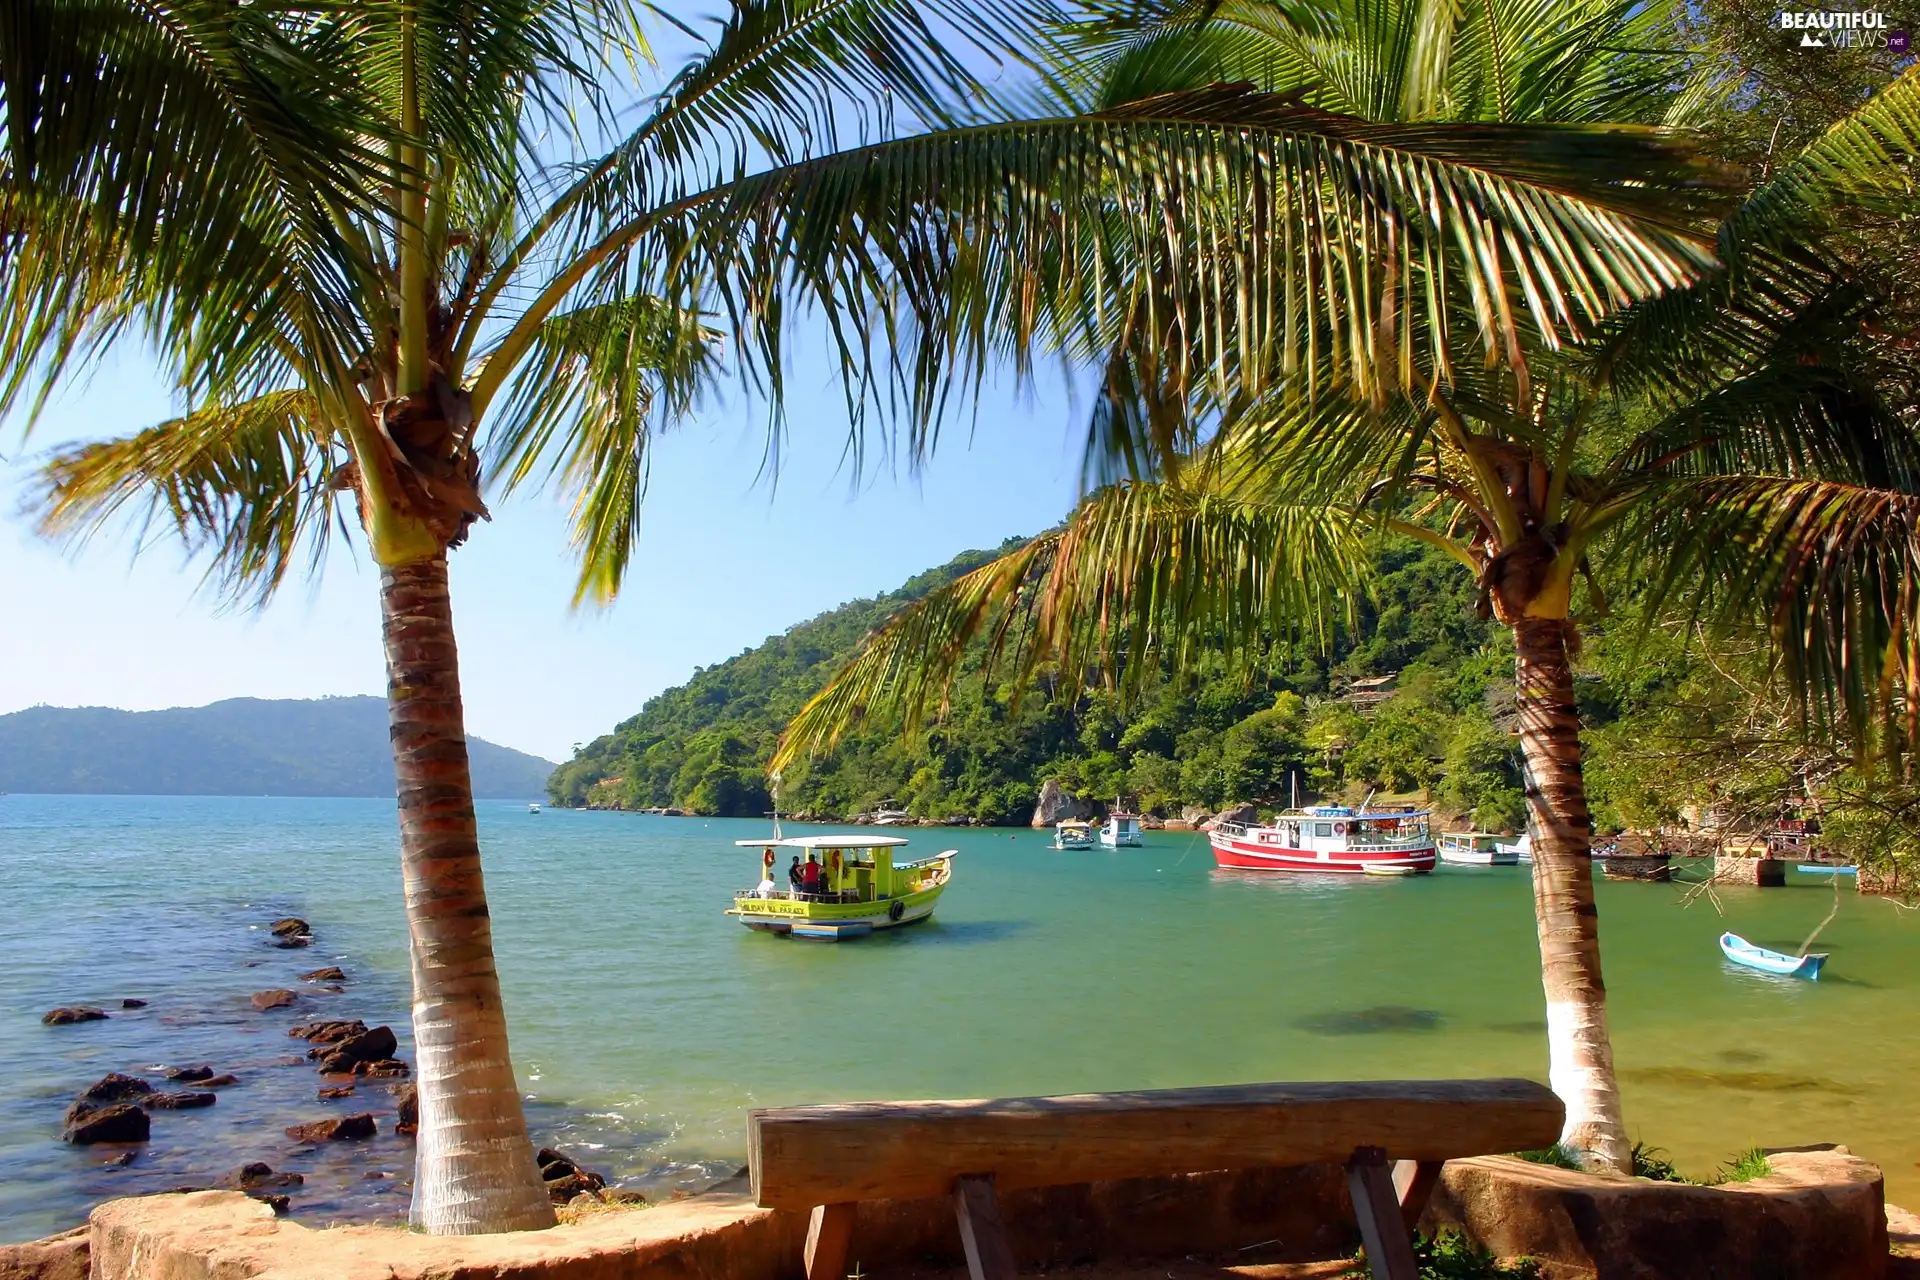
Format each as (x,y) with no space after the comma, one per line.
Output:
(767,861)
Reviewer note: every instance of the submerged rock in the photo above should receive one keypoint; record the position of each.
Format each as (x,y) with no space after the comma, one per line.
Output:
(259,1173)
(117,1123)
(1376,1020)
(278,998)
(290,927)
(344,1091)
(218,1082)
(190,1075)
(408,1112)
(74,1013)
(180,1101)
(329,1031)
(328,974)
(114,1087)
(291,941)
(344,1129)
(132,1003)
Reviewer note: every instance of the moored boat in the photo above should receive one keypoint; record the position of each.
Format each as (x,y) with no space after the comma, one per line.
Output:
(1073,834)
(1121,830)
(1521,849)
(1328,838)
(857,888)
(533,808)
(1476,849)
(1740,951)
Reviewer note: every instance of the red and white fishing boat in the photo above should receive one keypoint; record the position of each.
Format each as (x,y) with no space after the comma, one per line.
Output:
(1329,838)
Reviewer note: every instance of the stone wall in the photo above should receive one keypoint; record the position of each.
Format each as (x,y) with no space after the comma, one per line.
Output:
(1291,1214)
(1820,1216)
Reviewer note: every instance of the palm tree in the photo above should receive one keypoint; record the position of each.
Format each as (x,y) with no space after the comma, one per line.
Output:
(452,305)
(1734,390)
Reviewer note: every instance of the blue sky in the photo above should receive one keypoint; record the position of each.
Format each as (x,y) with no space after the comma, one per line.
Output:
(725,560)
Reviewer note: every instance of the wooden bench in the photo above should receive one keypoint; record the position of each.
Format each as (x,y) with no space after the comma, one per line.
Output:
(829,1158)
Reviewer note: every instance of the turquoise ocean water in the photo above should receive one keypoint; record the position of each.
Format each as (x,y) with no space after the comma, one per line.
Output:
(645,1022)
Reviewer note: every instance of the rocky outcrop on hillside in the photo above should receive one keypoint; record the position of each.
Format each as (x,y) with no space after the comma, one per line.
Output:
(1058,805)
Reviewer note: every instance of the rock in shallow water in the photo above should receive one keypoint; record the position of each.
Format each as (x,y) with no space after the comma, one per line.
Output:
(180,1101)
(74,1013)
(290,926)
(279,998)
(377,1045)
(258,1173)
(114,1087)
(116,1123)
(344,1091)
(345,1129)
(408,1120)
(328,1031)
(218,1082)
(189,1075)
(328,974)
(131,1003)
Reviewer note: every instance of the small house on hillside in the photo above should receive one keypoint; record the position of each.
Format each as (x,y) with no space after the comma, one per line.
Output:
(1368,692)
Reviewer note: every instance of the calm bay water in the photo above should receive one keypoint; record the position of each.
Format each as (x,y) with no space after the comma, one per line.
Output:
(645,1022)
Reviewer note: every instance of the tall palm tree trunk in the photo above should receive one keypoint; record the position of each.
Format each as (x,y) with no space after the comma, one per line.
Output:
(475,1170)
(1580,1053)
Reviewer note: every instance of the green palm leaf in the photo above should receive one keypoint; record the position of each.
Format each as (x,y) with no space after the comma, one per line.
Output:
(255,486)
(1204,563)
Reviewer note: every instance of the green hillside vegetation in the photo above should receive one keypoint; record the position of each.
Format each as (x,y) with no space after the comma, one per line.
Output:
(1208,740)
(239,747)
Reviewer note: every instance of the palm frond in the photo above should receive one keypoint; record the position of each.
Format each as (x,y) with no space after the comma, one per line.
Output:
(1832,568)
(1138,570)
(253,486)
(1282,239)
(596,383)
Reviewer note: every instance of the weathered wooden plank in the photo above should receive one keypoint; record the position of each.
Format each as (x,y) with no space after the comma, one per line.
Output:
(1413,1183)
(804,1156)
(829,1232)
(1376,1209)
(982,1233)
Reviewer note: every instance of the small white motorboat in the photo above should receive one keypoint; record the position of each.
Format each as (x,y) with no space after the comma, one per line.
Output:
(1073,834)
(1389,869)
(1476,849)
(533,808)
(1121,831)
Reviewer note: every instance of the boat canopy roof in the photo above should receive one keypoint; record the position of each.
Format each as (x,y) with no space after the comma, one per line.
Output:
(1366,815)
(822,842)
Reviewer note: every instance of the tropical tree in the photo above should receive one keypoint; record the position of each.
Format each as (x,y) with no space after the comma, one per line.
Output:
(1521,474)
(457,303)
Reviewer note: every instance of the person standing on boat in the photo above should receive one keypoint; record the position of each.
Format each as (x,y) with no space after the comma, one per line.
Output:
(810,876)
(793,875)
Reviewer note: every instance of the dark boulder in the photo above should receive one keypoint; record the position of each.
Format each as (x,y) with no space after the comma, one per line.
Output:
(131,1003)
(293,941)
(120,1161)
(278,998)
(383,1069)
(344,1129)
(218,1082)
(179,1101)
(564,1178)
(116,1123)
(290,927)
(328,974)
(408,1109)
(190,1075)
(273,1201)
(74,1013)
(114,1087)
(329,1031)
(376,1045)
(258,1173)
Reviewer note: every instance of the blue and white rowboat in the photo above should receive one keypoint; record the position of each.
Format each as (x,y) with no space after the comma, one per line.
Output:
(1826,869)
(1740,951)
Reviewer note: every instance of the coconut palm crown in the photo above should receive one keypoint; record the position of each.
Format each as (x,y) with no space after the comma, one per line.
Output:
(1727,393)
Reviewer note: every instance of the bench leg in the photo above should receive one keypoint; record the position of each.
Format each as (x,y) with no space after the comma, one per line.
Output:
(1413,1182)
(981,1232)
(1377,1211)
(828,1235)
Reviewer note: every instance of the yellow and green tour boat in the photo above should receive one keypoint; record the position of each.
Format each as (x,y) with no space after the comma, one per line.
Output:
(854,886)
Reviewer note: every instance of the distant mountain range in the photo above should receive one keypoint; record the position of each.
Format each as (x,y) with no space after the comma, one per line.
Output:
(239,747)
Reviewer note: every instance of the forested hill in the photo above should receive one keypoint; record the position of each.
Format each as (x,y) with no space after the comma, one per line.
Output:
(1210,739)
(239,747)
